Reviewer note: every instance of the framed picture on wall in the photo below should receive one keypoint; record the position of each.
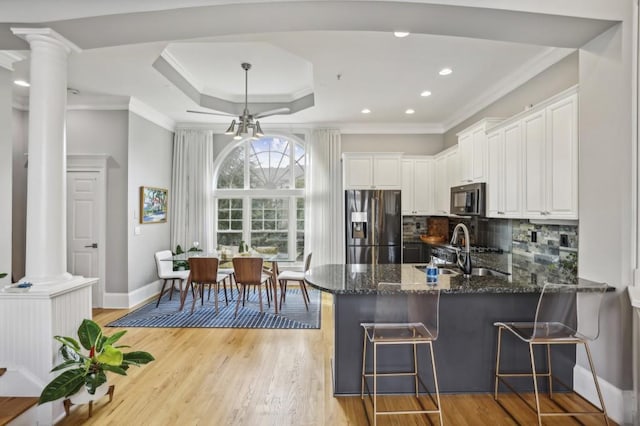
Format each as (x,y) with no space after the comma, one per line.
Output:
(154,203)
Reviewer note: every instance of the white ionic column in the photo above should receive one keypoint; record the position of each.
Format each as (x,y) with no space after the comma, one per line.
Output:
(46,243)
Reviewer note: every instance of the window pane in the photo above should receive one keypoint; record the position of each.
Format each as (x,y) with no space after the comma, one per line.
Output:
(265,223)
(229,218)
(300,165)
(231,173)
(269,163)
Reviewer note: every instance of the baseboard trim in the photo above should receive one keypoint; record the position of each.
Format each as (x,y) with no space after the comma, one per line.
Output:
(129,300)
(619,402)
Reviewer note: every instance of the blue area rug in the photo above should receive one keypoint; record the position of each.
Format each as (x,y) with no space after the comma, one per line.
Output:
(293,314)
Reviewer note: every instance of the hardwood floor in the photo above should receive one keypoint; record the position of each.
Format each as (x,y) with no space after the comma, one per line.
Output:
(262,377)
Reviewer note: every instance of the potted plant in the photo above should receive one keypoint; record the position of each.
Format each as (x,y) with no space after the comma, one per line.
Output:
(89,369)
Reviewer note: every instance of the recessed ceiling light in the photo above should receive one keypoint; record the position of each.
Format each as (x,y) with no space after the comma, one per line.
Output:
(409,111)
(401,34)
(445,71)
(425,93)
(366,111)
(21,83)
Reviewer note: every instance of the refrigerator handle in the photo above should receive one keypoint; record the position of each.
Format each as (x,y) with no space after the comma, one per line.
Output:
(374,224)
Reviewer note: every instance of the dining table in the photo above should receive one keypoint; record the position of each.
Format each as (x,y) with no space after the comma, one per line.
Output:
(274,258)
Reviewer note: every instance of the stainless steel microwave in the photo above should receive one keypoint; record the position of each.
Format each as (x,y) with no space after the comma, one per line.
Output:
(469,200)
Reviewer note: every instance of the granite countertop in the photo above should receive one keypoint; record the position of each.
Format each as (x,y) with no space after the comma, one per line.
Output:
(376,279)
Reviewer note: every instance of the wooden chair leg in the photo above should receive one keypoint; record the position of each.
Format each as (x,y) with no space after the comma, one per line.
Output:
(164,284)
(215,295)
(171,289)
(201,291)
(238,301)
(224,286)
(303,290)
(259,297)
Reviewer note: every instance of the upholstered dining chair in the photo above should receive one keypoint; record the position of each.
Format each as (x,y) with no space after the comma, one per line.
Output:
(298,276)
(167,274)
(204,272)
(249,272)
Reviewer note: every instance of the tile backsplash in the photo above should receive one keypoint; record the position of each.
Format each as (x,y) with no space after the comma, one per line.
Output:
(554,246)
(413,226)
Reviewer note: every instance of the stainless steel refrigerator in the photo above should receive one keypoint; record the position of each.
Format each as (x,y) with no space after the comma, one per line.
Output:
(374,226)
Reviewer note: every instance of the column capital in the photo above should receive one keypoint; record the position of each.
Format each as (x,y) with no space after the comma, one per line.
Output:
(46,34)
(7,59)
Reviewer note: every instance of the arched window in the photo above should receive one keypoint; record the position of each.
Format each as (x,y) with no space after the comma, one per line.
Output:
(260,195)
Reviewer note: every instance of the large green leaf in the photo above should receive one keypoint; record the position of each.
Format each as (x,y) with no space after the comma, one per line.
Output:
(115,369)
(112,339)
(89,333)
(138,357)
(110,356)
(3,274)
(68,341)
(64,385)
(67,364)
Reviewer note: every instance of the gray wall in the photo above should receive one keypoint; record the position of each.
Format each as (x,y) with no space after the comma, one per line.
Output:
(150,154)
(6,161)
(408,144)
(105,132)
(19,188)
(554,79)
(605,201)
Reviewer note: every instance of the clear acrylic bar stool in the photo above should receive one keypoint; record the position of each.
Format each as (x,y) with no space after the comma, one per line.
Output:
(567,314)
(413,333)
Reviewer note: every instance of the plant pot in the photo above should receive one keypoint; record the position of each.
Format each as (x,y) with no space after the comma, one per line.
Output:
(84,397)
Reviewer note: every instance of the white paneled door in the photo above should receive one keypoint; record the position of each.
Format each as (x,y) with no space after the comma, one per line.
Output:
(83,216)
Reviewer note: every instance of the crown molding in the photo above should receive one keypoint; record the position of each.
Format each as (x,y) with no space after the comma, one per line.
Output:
(145,111)
(344,128)
(514,80)
(180,69)
(7,58)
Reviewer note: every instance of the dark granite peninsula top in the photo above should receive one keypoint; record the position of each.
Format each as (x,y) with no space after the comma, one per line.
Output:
(375,279)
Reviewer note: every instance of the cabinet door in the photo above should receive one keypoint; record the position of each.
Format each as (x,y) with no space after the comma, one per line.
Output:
(453,172)
(562,159)
(512,170)
(442,186)
(412,253)
(534,182)
(358,172)
(465,153)
(387,172)
(408,187)
(495,176)
(423,187)
(479,155)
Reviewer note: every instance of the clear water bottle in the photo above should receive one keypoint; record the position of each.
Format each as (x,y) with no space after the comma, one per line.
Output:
(432,273)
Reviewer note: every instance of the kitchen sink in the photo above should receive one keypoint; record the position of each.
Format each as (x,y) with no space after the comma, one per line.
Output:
(483,272)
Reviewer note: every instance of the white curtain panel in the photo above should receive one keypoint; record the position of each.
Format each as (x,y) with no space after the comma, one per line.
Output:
(192,182)
(325,198)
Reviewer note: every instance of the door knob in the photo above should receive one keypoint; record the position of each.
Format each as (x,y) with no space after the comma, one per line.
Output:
(94,245)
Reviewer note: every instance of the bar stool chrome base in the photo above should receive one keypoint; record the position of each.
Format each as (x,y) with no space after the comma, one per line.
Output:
(414,334)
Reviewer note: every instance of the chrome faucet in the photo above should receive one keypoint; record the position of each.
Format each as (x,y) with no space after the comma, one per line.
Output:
(463,257)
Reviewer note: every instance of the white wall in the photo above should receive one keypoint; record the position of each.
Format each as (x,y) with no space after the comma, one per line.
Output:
(106,132)
(6,160)
(553,80)
(408,144)
(150,155)
(605,202)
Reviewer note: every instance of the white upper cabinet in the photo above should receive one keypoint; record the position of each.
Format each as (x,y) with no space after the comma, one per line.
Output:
(533,162)
(447,174)
(472,152)
(504,172)
(372,170)
(417,185)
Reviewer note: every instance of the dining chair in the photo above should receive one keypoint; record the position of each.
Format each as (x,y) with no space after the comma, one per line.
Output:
(204,272)
(298,276)
(567,314)
(249,272)
(166,273)
(401,322)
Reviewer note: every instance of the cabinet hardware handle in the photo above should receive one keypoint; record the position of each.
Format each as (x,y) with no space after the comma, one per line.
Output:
(500,212)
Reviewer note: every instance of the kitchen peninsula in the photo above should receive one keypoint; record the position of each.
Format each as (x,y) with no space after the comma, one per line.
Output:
(466,347)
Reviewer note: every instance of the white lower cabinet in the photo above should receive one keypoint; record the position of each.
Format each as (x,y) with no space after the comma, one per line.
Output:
(417,186)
